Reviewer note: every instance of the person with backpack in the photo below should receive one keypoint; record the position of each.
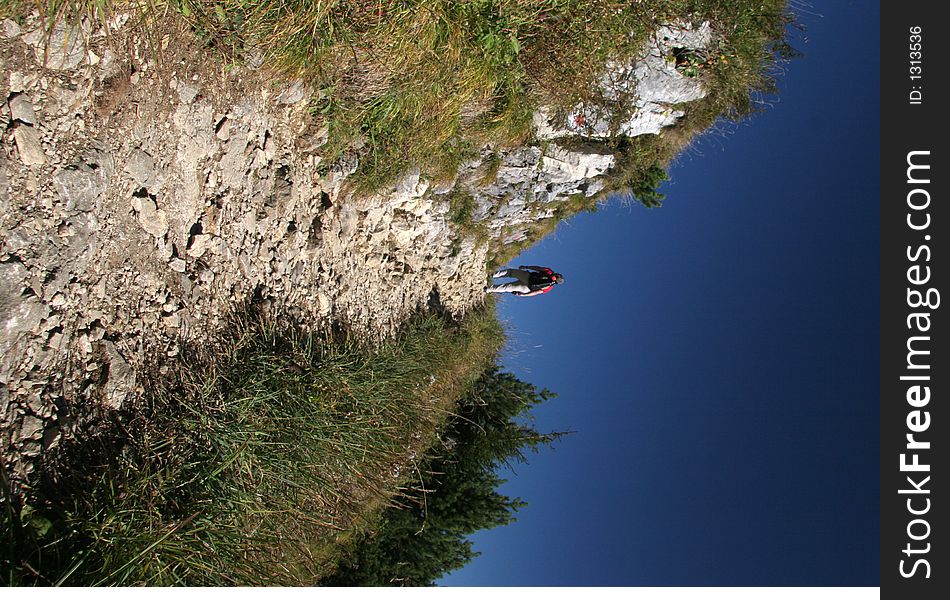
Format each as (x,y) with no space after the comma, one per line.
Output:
(530,281)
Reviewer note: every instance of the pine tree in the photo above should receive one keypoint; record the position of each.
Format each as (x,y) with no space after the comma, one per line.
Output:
(425,536)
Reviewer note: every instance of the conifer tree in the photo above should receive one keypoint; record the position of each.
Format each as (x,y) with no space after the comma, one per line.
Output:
(424,537)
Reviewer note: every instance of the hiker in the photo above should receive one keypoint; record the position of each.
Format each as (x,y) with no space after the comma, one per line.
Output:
(531,281)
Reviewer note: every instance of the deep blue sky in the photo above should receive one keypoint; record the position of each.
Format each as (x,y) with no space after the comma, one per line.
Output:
(716,357)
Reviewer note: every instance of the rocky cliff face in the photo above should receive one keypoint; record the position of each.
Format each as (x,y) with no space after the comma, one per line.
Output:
(145,195)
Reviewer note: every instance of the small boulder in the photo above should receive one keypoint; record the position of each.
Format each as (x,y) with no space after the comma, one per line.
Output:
(21,109)
(29,144)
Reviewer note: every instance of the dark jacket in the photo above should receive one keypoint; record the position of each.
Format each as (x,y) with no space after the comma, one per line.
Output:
(540,281)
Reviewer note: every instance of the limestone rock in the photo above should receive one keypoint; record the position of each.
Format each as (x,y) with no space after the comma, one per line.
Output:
(63,49)
(141,168)
(199,245)
(151,219)
(562,165)
(293,94)
(78,188)
(32,428)
(21,109)
(649,86)
(187,92)
(4,188)
(29,145)
(10,29)
(20,318)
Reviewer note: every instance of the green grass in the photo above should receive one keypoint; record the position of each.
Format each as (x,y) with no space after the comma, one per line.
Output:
(256,471)
(258,464)
(457,491)
(427,83)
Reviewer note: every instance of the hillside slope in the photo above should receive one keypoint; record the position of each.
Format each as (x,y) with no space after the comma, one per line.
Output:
(150,189)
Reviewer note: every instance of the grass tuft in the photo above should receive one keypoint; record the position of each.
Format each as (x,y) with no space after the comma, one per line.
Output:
(428,83)
(254,471)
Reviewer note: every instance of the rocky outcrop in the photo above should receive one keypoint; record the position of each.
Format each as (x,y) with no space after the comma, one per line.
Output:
(642,94)
(142,200)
